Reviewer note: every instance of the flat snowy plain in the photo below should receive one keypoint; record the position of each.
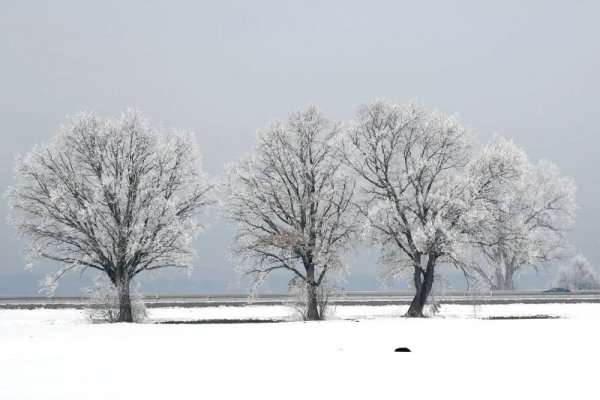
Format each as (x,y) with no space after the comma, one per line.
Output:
(59,354)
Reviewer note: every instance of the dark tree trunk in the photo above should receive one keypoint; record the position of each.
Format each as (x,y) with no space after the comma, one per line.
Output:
(312,313)
(312,310)
(125,311)
(423,283)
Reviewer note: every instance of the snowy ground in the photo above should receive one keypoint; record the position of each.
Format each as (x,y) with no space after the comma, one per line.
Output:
(58,354)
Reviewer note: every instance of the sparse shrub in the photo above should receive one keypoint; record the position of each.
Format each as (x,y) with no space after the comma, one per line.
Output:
(103,302)
(440,286)
(299,298)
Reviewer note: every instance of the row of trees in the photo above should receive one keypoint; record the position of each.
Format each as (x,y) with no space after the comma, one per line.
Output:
(122,197)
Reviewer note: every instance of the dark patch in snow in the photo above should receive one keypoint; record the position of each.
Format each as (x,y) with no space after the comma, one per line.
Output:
(225,321)
(540,316)
(402,350)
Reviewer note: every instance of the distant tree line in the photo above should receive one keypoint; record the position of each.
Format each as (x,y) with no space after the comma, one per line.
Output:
(121,197)
(579,275)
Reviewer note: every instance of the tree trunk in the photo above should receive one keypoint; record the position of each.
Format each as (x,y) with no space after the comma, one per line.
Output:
(508,280)
(499,260)
(423,284)
(312,312)
(125,312)
(504,279)
(499,278)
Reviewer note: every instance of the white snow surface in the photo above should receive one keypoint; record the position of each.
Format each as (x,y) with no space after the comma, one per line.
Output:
(59,354)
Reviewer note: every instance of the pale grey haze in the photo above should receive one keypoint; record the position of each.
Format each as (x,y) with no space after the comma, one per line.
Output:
(528,70)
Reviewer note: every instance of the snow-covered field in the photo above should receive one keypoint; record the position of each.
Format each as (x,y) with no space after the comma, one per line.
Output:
(58,354)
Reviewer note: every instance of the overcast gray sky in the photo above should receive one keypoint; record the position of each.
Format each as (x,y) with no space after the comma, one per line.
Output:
(528,70)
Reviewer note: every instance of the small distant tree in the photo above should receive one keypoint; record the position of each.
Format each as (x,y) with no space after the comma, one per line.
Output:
(427,195)
(530,229)
(114,195)
(290,205)
(580,275)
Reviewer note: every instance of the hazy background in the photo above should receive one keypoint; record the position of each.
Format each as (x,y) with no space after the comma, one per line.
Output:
(528,70)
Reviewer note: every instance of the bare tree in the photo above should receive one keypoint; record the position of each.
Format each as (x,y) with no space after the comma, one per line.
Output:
(118,196)
(290,203)
(531,228)
(578,276)
(426,198)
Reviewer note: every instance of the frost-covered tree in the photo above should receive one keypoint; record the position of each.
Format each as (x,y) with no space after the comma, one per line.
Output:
(530,229)
(578,276)
(290,204)
(426,194)
(114,195)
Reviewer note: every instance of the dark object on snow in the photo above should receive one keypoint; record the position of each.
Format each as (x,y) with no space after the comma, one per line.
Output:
(224,321)
(402,350)
(557,290)
(539,316)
